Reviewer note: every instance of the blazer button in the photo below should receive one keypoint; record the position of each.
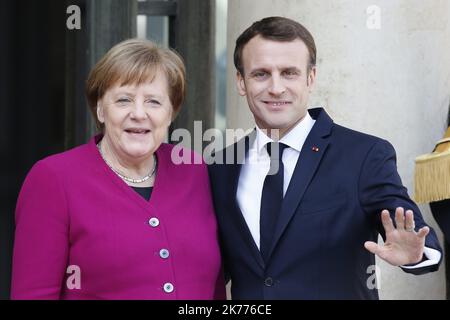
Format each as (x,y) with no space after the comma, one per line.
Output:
(268,282)
(164,253)
(153,222)
(168,287)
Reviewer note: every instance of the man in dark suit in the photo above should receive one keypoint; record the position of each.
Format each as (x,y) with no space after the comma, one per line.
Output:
(300,201)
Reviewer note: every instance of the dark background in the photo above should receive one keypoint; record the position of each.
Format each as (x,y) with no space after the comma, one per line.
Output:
(32,72)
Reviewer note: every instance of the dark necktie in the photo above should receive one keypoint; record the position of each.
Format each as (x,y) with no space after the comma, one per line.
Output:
(272,197)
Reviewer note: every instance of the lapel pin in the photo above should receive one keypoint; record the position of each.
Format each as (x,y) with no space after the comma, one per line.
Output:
(315,149)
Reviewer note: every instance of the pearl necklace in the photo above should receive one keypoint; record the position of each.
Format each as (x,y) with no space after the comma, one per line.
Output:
(131,180)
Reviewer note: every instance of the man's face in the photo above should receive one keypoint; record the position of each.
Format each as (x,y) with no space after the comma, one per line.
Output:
(276,82)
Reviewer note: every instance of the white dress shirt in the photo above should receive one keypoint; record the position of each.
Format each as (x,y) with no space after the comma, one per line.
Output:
(257,165)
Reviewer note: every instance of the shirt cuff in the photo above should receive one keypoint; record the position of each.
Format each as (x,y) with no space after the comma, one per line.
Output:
(433,257)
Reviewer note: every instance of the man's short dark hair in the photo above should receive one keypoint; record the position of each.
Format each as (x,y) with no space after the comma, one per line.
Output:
(277,29)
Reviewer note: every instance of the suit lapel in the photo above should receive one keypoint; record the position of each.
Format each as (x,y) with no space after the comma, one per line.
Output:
(308,162)
(237,216)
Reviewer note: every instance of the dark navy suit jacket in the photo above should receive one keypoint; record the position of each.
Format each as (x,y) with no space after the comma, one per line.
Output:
(332,206)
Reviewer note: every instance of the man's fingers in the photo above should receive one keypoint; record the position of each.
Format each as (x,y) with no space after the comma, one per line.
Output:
(423,232)
(371,246)
(409,221)
(399,219)
(387,221)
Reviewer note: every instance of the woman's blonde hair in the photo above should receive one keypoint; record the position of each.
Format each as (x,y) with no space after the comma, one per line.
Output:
(134,62)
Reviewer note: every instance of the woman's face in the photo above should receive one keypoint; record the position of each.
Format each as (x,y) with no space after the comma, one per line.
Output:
(136,118)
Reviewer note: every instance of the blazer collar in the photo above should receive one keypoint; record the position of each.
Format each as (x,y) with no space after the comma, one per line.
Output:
(308,162)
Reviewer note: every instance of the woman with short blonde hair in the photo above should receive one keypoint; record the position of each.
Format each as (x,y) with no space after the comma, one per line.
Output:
(117,210)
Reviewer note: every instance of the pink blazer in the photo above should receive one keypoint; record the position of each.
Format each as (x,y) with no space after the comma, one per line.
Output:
(82,233)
